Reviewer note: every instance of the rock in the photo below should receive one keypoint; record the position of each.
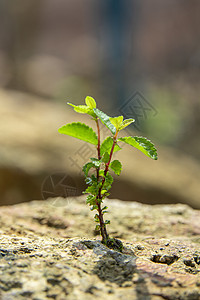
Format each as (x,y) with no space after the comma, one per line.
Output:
(50,252)
(32,152)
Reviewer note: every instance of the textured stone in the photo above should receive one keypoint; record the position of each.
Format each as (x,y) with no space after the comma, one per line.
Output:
(41,260)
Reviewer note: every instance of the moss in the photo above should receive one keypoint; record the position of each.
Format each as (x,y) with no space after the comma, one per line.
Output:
(114,244)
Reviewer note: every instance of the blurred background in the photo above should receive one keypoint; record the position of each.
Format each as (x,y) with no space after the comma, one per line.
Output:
(135,57)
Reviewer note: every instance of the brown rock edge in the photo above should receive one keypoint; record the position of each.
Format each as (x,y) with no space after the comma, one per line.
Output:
(48,250)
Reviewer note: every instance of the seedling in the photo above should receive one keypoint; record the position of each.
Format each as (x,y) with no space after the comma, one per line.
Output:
(97,170)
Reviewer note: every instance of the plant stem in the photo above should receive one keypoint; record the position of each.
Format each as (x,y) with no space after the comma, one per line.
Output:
(99,142)
(103,230)
(108,163)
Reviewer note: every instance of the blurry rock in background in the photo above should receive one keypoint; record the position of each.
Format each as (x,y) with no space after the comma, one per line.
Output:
(44,74)
(5,74)
(64,50)
(32,150)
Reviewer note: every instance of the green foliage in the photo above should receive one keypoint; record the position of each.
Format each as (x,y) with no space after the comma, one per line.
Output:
(142,144)
(105,158)
(116,166)
(82,109)
(80,131)
(126,123)
(107,222)
(85,109)
(96,162)
(97,170)
(87,167)
(117,122)
(90,102)
(108,181)
(105,119)
(106,146)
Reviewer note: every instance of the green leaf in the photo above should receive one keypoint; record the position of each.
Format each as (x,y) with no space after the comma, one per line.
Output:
(89,101)
(108,181)
(105,195)
(92,189)
(97,228)
(107,222)
(94,179)
(94,207)
(142,144)
(107,145)
(105,207)
(117,121)
(87,167)
(80,131)
(105,119)
(103,192)
(96,218)
(96,162)
(82,109)
(104,211)
(101,173)
(90,200)
(105,157)
(116,166)
(125,123)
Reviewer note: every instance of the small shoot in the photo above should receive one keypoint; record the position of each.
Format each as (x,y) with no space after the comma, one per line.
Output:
(98,170)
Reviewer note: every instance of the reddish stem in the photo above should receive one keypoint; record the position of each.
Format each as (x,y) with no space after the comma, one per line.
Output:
(101,221)
(103,230)
(99,142)
(108,163)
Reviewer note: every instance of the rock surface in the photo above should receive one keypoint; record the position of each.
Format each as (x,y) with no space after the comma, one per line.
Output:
(49,250)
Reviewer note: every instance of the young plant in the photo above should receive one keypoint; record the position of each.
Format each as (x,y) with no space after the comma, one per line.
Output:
(97,170)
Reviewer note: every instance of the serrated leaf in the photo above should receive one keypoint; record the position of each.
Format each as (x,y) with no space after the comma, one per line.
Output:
(116,166)
(142,144)
(80,131)
(105,157)
(125,123)
(90,200)
(105,119)
(107,145)
(108,181)
(96,162)
(92,189)
(82,109)
(89,101)
(87,167)
(101,173)
(94,179)
(117,122)
(99,200)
